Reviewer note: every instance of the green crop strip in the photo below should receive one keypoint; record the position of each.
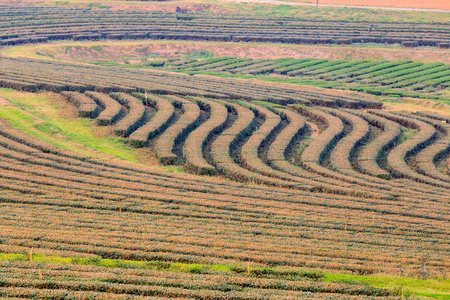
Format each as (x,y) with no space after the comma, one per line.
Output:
(436,288)
(344,75)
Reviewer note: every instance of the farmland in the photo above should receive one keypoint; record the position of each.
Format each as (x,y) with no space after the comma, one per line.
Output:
(182,178)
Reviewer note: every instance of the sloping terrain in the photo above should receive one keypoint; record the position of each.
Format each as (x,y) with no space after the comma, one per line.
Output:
(286,193)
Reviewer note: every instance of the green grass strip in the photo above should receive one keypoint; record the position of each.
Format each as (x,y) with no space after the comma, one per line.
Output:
(39,116)
(436,288)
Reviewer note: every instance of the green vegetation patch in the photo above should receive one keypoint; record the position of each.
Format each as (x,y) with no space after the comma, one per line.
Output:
(437,288)
(37,115)
(406,134)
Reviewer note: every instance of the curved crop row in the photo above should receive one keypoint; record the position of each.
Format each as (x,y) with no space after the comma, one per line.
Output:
(284,170)
(345,148)
(72,160)
(197,139)
(277,160)
(135,116)
(159,122)
(434,116)
(105,79)
(87,108)
(112,108)
(257,240)
(372,151)
(319,147)
(297,125)
(313,155)
(397,156)
(249,152)
(427,158)
(190,119)
(227,141)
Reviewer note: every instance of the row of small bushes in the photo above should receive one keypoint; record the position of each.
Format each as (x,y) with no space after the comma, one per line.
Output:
(165,144)
(341,155)
(397,156)
(196,141)
(159,122)
(135,116)
(112,110)
(371,153)
(87,108)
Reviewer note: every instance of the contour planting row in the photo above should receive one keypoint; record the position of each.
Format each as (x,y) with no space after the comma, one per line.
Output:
(279,183)
(302,179)
(34,75)
(283,142)
(345,149)
(87,108)
(428,158)
(144,281)
(396,158)
(414,76)
(313,156)
(197,140)
(29,25)
(112,110)
(370,155)
(165,112)
(344,175)
(110,190)
(190,119)
(135,116)
(348,175)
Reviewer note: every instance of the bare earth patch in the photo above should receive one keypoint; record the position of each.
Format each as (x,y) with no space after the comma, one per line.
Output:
(118,50)
(4,102)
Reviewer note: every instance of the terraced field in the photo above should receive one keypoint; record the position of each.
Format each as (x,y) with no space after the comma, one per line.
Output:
(285,194)
(391,78)
(41,24)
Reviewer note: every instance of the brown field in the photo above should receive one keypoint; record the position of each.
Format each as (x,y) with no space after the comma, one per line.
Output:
(242,189)
(432,4)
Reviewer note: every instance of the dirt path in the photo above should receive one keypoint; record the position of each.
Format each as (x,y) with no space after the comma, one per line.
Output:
(441,6)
